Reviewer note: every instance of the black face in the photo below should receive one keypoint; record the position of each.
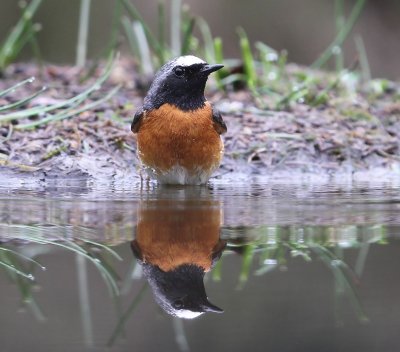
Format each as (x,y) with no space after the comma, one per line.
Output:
(187,81)
(193,74)
(179,85)
(180,292)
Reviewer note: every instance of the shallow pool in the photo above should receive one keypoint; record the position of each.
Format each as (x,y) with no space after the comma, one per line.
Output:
(293,267)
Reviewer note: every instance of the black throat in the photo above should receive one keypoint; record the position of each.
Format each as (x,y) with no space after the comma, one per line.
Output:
(185,97)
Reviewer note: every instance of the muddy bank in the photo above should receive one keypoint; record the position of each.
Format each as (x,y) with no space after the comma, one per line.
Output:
(353,137)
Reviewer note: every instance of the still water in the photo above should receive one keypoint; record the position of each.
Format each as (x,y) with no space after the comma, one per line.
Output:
(256,266)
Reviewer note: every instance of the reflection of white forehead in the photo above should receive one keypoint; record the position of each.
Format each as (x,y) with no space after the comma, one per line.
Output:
(188,60)
(187,314)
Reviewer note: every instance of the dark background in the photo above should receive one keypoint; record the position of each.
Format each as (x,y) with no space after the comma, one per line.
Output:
(303,27)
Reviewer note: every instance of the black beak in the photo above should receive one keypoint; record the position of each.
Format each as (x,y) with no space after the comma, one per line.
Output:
(207,69)
(209,307)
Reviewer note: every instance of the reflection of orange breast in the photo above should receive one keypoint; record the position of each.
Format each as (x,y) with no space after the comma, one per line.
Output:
(172,237)
(169,136)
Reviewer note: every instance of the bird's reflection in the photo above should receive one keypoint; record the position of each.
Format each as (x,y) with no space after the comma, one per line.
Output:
(177,242)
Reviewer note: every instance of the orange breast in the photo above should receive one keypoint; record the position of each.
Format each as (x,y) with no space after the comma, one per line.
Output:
(168,137)
(169,237)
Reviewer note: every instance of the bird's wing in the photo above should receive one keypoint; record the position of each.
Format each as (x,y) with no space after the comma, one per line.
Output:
(137,251)
(137,120)
(217,252)
(219,123)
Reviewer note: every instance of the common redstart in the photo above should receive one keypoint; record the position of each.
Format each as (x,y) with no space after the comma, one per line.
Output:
(178,130)
(176,246)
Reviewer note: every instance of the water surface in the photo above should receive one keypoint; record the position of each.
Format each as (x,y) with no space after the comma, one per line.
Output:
(295,267)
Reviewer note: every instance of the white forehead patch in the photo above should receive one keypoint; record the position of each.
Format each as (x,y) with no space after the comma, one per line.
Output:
(188,60)
(187,314)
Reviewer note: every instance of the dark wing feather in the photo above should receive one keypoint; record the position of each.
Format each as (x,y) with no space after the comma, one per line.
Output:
(217,252)
(137,251)
(137,120)
(219,123)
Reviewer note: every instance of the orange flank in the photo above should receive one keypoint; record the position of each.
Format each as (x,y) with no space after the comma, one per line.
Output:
(169,137)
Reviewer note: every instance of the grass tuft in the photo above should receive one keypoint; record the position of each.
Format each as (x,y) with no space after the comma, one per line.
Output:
(250,73)
(363,58)
(263,70)
(45,236)
(70,107)
(22,33)
(151,50)
(341,36)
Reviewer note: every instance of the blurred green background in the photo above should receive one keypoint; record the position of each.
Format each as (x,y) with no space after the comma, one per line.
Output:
(303,27)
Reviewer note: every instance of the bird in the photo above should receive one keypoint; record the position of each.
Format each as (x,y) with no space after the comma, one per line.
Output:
(177,129)
(176,243)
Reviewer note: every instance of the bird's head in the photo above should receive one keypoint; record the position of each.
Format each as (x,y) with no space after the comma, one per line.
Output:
(180,292)
(180,82)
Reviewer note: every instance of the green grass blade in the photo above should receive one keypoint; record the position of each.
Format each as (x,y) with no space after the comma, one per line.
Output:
(25,38)
(22,101)
(269,58)
(248,61)
(135,302)
(35,45)
(36,236)
(23,283)
(246,265)
(11,44)
(236,77)
(127,25)
(108,278)
(322,96)
(218,50)
(47,119)
(102,246)
(16,86)
(208,40)
(340,271)
(144,50)
(80,97)
(362,53)
(62,116)
(294,95)
(9,133)
(35,309)
(15,270)
(219,58)
(23,257)
(135,15)
(339,22)
(341,36)
(81,43)
(7,262)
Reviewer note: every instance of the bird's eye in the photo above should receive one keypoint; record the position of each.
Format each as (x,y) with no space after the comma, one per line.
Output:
(179,71)
(178,304)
